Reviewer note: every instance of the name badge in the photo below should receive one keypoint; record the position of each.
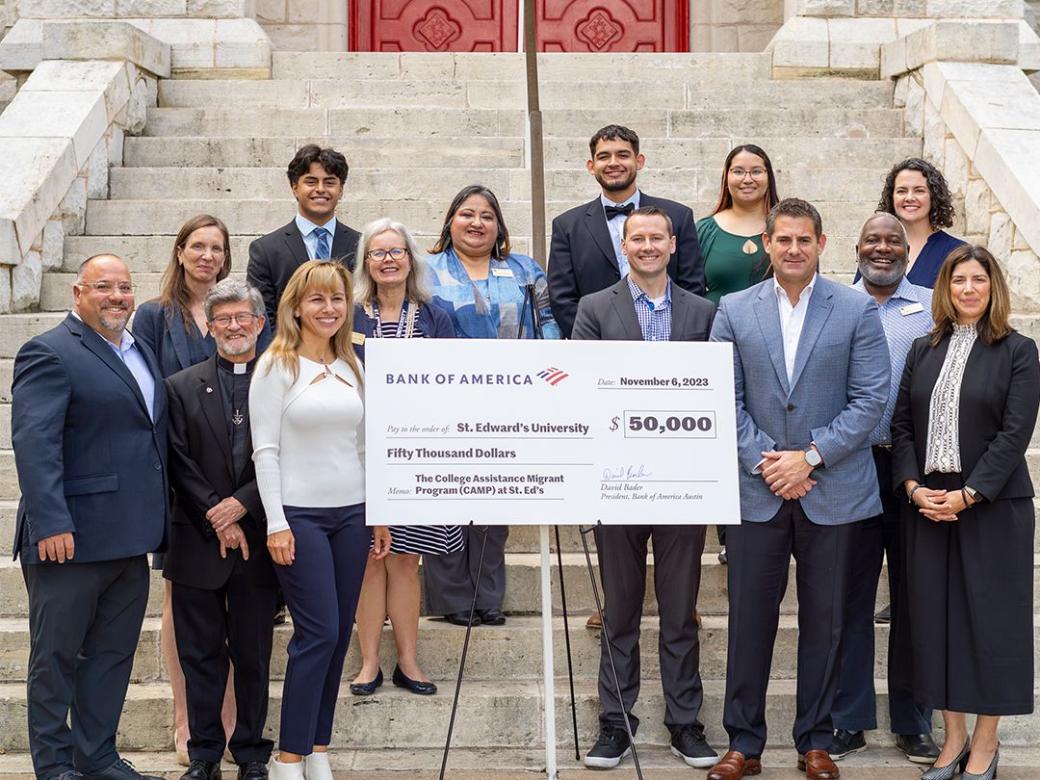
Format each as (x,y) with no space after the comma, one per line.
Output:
(502,272)
(911,308)
(357,338)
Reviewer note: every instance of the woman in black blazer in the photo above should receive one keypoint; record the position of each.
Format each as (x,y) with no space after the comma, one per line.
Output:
(965,413)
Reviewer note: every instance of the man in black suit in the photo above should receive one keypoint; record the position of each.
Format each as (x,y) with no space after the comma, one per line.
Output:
(88,424)
(647,306)
(317,177)
(224,586)
(585,254)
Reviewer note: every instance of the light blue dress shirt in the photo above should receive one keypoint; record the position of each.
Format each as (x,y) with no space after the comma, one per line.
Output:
(132,358)
(307,228)
(615,227)
(906,316)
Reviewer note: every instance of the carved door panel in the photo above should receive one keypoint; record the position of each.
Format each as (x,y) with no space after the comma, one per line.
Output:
(613,25)
(441,25)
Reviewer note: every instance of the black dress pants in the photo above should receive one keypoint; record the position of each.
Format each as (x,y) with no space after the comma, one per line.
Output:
(677,579)
(450,579)
(759,559)
(234,623)
(84,623)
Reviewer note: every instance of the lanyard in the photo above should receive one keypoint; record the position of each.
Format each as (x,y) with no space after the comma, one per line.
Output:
(405,323)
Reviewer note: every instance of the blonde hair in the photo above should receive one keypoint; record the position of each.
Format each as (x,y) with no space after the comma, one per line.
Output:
(416,287)
(995,321)
(320,275)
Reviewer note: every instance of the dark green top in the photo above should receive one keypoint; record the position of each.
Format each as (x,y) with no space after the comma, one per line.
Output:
(727,267)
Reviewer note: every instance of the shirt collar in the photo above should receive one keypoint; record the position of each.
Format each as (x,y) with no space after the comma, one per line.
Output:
(780,291)
(638,293)
(906,291)
(127,341)
(634,200)
(306,227)
(236,368)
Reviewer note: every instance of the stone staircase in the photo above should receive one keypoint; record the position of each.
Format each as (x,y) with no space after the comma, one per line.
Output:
(416,128)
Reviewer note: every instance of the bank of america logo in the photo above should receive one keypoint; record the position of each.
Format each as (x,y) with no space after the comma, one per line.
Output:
(553,375)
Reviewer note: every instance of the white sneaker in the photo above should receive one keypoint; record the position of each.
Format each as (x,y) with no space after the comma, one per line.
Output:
(316,767)
(279,771)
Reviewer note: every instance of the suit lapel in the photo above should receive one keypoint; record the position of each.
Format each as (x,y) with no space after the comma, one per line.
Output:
(625,308)
(340,243)
(179,336)
(100,347)
(596,223)
(294,243)
(769,324)
(819,310)
(212,402)
(680,312)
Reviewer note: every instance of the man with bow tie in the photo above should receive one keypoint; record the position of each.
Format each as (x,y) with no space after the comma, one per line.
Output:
(585,254)
(224,586)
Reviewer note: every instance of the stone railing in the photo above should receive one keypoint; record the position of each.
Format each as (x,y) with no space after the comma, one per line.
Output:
(59,135)
(980,124)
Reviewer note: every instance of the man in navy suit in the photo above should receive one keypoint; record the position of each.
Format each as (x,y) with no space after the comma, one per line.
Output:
(585,254)
(89,433)
(811,375)
(316,177)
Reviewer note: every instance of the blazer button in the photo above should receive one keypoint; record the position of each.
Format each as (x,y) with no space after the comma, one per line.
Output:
(790,407)
(157,466)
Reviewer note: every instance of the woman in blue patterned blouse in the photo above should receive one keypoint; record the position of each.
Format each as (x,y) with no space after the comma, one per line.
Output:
(482,285)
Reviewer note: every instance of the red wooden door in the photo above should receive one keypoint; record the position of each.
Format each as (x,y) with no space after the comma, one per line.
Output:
(437,25)
(491,25)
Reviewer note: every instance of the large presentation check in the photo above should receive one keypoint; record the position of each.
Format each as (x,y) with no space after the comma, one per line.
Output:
(549,432)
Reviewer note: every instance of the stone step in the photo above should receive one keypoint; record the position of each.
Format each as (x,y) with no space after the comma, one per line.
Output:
(661,94)
(421,122)
(424,216)
(686,185)
(5,426)
(564,153)
(731,67)
(491,714)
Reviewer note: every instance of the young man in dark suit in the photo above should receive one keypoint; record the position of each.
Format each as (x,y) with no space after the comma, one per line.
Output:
(224,586)
(316,177)
(647,306)
(585,254)
(88,425)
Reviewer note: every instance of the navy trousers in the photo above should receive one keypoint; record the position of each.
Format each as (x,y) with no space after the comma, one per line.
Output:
(321,589)
(855,706)
(84,623)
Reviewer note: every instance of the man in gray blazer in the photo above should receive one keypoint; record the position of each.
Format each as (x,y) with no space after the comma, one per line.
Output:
(646,306)
(811,370)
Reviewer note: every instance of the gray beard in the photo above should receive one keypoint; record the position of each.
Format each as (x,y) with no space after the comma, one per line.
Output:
(881,279)
(234,349)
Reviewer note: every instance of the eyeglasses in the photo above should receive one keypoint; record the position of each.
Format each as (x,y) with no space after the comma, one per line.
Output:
(106,288)
(740,173)
(245,319)
(397,253)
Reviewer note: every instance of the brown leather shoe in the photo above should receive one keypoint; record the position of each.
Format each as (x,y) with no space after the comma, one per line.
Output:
(817,765)
(595,621)
(734,766)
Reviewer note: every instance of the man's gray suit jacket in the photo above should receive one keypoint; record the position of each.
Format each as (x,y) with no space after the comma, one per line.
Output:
(610,315)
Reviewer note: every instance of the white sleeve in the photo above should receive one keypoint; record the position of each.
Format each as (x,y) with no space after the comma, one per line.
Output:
(364,417)
(266,399)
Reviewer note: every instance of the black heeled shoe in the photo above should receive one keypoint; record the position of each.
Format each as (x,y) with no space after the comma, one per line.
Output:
(415,686)
(951,769)
(367,689)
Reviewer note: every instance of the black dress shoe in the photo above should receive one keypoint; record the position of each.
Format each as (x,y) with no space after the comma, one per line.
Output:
(367,689)
(415,686)
(462,619)
(845,743)
(492,617)
(120,770)
(919,748)
(252,770)
(202,770)
(281,615)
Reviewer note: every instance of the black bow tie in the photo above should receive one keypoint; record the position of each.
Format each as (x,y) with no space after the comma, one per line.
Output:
(613,211)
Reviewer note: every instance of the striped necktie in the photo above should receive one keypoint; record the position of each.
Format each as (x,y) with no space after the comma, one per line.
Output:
(321,249)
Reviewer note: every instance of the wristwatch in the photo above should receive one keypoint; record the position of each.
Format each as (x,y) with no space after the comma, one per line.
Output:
(812,457)
(973,493)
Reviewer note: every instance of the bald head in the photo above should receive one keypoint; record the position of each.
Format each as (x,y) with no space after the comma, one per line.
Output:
(103,295)
(881,252)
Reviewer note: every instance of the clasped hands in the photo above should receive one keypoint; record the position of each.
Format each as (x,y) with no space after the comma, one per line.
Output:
(939,506)
(787,473)
(223,518)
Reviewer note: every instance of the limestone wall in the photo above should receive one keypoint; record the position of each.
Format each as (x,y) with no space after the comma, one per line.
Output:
(734,25)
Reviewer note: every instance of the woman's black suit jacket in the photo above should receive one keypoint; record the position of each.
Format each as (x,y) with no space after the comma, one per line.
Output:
(998,409)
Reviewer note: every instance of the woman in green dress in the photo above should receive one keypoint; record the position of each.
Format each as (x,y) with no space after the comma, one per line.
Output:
(731,236)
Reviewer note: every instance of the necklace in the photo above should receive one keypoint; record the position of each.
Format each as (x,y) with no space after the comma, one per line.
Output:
(238,418)
(405,322)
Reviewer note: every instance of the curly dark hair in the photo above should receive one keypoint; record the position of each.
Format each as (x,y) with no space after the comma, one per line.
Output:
(941,213)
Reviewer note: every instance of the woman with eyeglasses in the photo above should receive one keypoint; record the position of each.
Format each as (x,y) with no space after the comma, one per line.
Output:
(392,300)
(174,327)
(483,286)
(731,236)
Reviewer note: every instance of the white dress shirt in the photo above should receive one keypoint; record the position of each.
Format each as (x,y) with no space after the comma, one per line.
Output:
(615,227)
(307,228)
(792,318)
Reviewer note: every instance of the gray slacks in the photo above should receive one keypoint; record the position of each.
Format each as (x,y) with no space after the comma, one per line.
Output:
(451,579)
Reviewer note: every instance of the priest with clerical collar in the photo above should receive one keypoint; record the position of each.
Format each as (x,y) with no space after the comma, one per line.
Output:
(224,587)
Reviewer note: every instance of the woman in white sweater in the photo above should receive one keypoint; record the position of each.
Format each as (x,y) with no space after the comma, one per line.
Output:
(306,410)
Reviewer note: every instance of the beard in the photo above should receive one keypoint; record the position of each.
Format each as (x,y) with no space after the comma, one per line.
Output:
(616,186)
(114,320)
(236,347)
(882,278)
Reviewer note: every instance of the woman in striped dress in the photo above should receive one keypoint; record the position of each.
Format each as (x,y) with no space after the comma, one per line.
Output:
(392,301)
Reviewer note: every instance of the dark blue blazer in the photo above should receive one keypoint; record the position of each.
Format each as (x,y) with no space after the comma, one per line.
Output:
(162,330)
(90,460)
(433,320)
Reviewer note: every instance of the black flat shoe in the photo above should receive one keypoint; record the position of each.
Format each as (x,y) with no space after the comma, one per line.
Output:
(415,686)
(367,689)
(491,617)
(462,619)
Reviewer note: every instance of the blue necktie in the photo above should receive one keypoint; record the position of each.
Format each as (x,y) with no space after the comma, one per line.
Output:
(321,250)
